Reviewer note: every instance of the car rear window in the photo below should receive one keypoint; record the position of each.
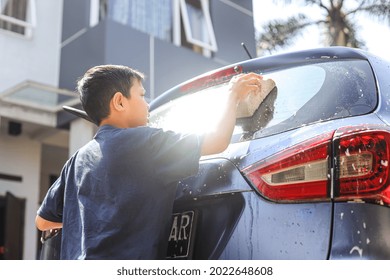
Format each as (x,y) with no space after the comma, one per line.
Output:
(303,95)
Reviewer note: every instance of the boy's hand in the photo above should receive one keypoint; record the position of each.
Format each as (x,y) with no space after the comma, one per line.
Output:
(241,85)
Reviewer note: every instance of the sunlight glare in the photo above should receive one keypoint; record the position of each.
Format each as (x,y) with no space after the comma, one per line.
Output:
(195,113)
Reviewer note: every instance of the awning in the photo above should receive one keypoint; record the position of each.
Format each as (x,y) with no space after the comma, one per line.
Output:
(38,103)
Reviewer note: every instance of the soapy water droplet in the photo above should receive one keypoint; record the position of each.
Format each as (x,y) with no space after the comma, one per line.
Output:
(357,249)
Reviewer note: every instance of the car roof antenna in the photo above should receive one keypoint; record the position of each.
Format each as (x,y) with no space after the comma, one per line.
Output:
(246,49)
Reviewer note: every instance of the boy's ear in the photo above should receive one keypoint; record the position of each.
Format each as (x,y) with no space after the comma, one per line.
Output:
(117,101)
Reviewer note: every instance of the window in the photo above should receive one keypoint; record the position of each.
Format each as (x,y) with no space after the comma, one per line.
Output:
(153,16)
(303,95)
(197,25)
(98,11)
(17,16)
(184,22)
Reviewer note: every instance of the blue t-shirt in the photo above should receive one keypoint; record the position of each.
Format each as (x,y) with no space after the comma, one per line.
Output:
(115,195)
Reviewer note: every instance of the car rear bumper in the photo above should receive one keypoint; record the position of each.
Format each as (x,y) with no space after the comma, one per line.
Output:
(361,231)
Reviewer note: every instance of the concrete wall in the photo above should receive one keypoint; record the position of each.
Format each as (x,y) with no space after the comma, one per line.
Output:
(164,64)
(21,156)
(38,57)
(233,24)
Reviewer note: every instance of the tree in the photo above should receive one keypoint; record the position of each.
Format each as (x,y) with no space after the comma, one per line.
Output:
(338,22)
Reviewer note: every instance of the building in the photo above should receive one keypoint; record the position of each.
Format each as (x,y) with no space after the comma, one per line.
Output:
(47,45)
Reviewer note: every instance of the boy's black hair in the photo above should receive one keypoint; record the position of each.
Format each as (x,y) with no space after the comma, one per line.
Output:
(100,83)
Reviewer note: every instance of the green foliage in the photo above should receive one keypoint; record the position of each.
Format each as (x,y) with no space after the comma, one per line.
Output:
(339,23)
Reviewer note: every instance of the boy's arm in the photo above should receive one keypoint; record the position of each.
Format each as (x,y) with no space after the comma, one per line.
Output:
(217,140)
(43,224)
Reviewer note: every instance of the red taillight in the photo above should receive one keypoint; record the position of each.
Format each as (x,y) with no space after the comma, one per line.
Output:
(211,79)
(298,173)
(360,158)
(361,168)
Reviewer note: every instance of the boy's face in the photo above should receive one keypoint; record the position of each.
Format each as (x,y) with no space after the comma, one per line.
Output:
(138,109)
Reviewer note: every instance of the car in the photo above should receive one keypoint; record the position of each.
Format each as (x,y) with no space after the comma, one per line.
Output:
(307,176)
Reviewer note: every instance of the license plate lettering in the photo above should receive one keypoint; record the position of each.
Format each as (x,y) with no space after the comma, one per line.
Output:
(179,240)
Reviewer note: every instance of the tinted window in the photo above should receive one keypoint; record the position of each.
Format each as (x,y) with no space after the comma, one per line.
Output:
(303,95)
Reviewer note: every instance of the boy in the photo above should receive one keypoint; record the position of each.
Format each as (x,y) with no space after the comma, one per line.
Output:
(114,197)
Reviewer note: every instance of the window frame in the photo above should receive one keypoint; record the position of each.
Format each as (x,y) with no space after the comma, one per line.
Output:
(181,12)
(28,24)
(95,11)
(179,15)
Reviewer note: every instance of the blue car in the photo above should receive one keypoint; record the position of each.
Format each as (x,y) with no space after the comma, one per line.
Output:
(305,177)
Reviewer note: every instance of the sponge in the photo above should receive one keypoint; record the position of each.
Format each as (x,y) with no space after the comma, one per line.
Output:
(248,106)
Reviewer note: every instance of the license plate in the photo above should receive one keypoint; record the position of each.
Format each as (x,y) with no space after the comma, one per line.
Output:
(181,235)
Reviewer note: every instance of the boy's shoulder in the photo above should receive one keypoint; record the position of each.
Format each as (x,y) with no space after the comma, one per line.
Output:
(136,133)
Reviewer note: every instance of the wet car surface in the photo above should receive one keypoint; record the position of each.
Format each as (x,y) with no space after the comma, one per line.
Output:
(306,177)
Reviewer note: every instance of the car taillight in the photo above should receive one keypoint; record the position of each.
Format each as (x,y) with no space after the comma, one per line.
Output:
(359,157)
(361,165)
(301,172)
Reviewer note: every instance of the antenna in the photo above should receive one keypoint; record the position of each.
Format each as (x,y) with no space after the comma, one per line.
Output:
(245,48)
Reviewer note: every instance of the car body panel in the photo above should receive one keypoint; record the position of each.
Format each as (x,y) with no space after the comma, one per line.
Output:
(233,220)
(361,231)
(263,229)
(272,230)
(268,230)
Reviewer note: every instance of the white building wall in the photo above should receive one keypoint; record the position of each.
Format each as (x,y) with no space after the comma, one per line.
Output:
(81,132)
(36,58)
(21,156)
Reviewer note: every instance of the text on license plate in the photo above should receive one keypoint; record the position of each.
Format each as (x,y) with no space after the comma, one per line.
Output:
(179,240)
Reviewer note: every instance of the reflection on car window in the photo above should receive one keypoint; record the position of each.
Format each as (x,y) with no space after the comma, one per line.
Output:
(295,87)
(320,92)
(303,95)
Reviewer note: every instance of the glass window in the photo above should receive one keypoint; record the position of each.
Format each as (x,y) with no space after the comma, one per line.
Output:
(98,11)
(153,16)
(303,95)
(314,93)
(197,24)
(184,22)
(17,16)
